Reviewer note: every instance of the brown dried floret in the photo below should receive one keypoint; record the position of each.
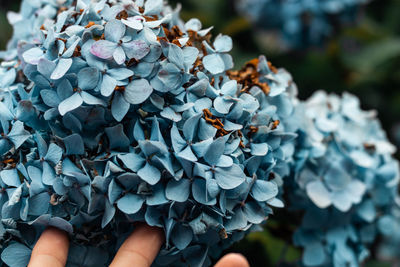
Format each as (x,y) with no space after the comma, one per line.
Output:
(248,76)
(215,122)
(122,15)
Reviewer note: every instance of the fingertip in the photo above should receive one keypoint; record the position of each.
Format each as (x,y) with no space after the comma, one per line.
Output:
(233,260)
(140,248)
(51,249)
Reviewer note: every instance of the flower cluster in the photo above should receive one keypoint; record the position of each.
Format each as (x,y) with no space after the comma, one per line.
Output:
(301,23)
(114,112)
(344,180)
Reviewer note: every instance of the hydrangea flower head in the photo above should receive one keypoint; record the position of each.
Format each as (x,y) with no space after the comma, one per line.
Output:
(115,112)
(344,180)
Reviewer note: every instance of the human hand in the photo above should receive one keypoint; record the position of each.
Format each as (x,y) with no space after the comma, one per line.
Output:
(139,250)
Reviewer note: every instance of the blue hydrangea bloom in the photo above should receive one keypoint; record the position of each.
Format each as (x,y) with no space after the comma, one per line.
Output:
(301,22)
(115,112)
(344,180)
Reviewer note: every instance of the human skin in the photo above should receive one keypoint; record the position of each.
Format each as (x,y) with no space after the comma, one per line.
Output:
(139,250)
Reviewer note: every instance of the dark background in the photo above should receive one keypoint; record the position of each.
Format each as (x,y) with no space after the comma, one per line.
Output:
(363,58)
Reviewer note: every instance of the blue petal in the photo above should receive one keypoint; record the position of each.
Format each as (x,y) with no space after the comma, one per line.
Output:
(74,145)
(62,68)
(119,107)
(136,49)
(50,98)
(229,178)
(314,254)
(150,174)
(215,151)
(103,49)
(109,212)
(132,161)
(223,43)
(108,85)
(138,91)
(117,137)
(178,190)
(39,204)
(119,55)
(16,255)
(214,63)
(114,30)
(130,203)
(264,190)
(54,153)
(181,236)
(71,103)
(10,177)
(88,78)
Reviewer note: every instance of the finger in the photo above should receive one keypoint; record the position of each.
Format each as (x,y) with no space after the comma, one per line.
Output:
(51,249)
(140,248)
(233,260)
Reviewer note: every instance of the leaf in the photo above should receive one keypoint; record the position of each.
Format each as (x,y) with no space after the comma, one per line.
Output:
(71,103)
(138,91)
(16,255)
(130,203)
(103,49)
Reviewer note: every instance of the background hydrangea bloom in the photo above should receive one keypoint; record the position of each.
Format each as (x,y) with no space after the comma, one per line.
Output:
(111,121)
(344,180)
(302,23)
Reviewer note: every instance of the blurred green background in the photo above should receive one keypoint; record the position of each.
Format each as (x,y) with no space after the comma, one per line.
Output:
(363,59)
